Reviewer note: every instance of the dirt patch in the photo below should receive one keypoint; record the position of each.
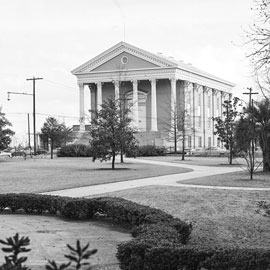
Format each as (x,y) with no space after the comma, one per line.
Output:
(49,236)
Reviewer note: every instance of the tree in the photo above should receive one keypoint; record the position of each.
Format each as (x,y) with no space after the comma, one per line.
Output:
(57,132)
(110,134)
(258,38)
(225,126)
(260,112)
(5,132)
(245,140)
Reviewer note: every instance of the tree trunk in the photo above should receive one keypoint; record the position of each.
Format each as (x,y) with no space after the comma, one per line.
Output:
(113,161)
(175,140)
(230,155)
(183,146)
(266,161)
(51,149)
(122,156)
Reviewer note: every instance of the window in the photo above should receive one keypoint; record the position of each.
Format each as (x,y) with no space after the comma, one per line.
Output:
(189,141)
(209,122)
(209,106)
(209,141)
(218,143)
(200,141)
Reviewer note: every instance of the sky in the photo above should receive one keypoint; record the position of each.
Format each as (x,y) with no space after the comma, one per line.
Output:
(49,38)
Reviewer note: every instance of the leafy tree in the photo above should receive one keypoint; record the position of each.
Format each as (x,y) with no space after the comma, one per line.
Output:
(110,133)
(225,126)
(57,132)
(260,112)
(5,132)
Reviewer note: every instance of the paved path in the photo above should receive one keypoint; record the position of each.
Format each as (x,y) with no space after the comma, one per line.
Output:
(166,180)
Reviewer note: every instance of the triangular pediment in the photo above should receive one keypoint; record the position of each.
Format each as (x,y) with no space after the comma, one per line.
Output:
(112,59)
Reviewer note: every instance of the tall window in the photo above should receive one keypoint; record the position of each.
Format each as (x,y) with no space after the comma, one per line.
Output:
(189,141)
(209,141)
(209,106)
(209,122)
(200,141)
(199,104)
(218,106)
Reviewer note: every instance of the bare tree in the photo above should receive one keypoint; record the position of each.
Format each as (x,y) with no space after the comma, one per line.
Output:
(258,39)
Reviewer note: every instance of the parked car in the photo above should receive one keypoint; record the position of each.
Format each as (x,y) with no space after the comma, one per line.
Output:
(209,151)
(5,154)
(198,152)
(215,151)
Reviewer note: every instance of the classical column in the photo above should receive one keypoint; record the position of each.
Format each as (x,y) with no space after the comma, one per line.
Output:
(82,113)
(173,101)
(213,108)
(135,107)
(194,115)
(90,102)
(204,114)
(116,89)
(153,105)
(99,95)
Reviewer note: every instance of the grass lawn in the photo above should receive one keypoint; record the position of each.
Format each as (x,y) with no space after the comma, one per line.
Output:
(220,217)
(41,175)
(201,161)
(237,179)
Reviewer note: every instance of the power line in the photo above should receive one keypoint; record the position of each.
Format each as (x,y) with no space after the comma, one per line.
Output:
(60,84)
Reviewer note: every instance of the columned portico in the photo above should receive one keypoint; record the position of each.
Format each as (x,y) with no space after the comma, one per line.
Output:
(153,105)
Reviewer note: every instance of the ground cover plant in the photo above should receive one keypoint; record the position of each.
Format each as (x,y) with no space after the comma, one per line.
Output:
(78,258)
(42,175)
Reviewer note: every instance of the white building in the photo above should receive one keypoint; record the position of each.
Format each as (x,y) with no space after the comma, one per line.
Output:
(158,88)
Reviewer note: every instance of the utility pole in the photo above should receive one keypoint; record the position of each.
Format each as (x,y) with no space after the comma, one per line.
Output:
(34,110)
(251,105)
(250,93)
(29,142)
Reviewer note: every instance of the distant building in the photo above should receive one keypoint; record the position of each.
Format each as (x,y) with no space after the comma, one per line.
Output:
(158,89)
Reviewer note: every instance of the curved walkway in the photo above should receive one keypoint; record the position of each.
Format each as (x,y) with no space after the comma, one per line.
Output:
(165,180)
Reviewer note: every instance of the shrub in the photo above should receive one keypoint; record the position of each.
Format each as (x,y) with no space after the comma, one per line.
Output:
(78,209)
(148,150)
(75,150)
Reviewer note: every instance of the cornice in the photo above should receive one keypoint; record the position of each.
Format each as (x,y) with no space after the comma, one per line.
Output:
(118,49)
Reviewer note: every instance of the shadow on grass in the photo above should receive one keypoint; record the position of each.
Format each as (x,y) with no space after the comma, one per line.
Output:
(110,169)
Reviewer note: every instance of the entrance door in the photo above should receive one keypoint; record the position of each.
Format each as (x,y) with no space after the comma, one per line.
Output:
(142,116)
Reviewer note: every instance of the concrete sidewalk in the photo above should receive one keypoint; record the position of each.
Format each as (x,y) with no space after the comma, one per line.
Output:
(166,180)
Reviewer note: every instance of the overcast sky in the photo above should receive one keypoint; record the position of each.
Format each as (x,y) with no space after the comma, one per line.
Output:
(49,38)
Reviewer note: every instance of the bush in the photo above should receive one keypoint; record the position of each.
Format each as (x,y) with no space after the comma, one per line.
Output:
(149,150)
(75,150)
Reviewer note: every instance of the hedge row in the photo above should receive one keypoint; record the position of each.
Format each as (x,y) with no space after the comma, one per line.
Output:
(159,239)
(75,150)
(147,151)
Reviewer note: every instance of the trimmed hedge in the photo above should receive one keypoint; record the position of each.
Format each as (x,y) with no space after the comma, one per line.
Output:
(75,150)
(160,240)
(148,150)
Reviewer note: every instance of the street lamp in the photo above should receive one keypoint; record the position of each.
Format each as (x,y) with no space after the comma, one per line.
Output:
(34,118)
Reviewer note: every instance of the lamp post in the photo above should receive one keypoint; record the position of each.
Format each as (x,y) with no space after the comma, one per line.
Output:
(34,118)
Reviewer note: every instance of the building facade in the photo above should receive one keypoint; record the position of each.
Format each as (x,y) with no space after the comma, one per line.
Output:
(164,94)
